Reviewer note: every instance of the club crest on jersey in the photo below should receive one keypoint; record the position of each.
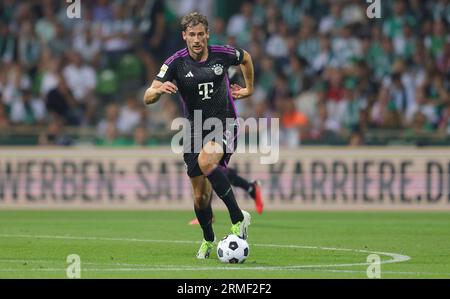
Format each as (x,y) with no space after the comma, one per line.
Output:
(218,69)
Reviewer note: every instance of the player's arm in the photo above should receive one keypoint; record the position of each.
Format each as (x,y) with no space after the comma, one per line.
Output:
(247,71)
(162,82)
(157,88)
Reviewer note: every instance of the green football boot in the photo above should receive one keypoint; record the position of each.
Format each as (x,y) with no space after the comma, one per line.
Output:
(240,228)
(205,249)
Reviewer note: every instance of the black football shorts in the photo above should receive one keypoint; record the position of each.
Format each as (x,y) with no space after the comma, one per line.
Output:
(229,145)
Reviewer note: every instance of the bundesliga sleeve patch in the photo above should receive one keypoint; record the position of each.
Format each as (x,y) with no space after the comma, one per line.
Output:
(163,71)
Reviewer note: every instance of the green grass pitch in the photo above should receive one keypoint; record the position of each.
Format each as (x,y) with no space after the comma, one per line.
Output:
(161,244)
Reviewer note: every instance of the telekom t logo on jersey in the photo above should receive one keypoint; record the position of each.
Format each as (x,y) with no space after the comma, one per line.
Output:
(205,90)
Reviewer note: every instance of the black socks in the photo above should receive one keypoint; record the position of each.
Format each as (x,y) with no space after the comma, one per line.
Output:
(205,218)
(236,180)
(221,185)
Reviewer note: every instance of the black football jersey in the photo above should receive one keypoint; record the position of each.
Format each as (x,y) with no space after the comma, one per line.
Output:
(203,85)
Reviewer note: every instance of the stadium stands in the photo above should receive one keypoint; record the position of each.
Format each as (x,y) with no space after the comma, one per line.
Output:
(351,79)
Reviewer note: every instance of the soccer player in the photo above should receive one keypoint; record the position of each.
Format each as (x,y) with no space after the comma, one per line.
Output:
(200,73)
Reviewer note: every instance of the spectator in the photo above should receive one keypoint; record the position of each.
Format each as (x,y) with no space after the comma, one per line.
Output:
(324,57)
(423,106)
(345,46)
(55,135)
(117,34)
(217,35)
(356,138)
(335,100)
(441,10)
(353,106)
(141,137)
(62,104)
(419,128)
(27,110)
(398,94)
(8,44)
(239,24)
(49,81)
(81,79)
(292,13)
(436,42)
(354,13)
(322,126)
(46,26)
(332,22)
(112,138)
(276,45)
(267,76)
(129,116)
(294,124)
(7,9)
(295,75)
(4,120)
(61,43)
(308,43)
(29,47)
(393,26)
(443,61)
(112,116)
(384,114)
(154,29)
(435,90)
(404,44)
(444,123)
(14,79)
(102,11)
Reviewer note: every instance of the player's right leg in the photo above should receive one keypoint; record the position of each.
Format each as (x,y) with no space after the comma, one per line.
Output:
(202,207)
(255,193)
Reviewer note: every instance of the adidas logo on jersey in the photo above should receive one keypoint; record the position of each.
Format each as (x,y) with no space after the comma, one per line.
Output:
(189,75)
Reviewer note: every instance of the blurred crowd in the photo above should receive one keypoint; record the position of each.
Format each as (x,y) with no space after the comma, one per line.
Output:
(325,69)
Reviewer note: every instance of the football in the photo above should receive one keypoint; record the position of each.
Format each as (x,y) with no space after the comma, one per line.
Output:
(232,250)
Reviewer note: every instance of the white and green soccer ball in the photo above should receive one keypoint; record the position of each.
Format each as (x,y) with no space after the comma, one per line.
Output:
(232,250)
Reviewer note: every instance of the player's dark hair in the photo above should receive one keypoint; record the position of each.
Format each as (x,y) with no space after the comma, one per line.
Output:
(193,19)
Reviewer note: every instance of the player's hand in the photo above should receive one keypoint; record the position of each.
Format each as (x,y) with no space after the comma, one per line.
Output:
(239,92)
(168,87)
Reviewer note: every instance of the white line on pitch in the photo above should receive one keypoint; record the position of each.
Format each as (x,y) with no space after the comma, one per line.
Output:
(395,257)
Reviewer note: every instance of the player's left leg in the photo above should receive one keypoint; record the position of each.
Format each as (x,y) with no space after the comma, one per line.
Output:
(237,180)
(252,188)
(208,161)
